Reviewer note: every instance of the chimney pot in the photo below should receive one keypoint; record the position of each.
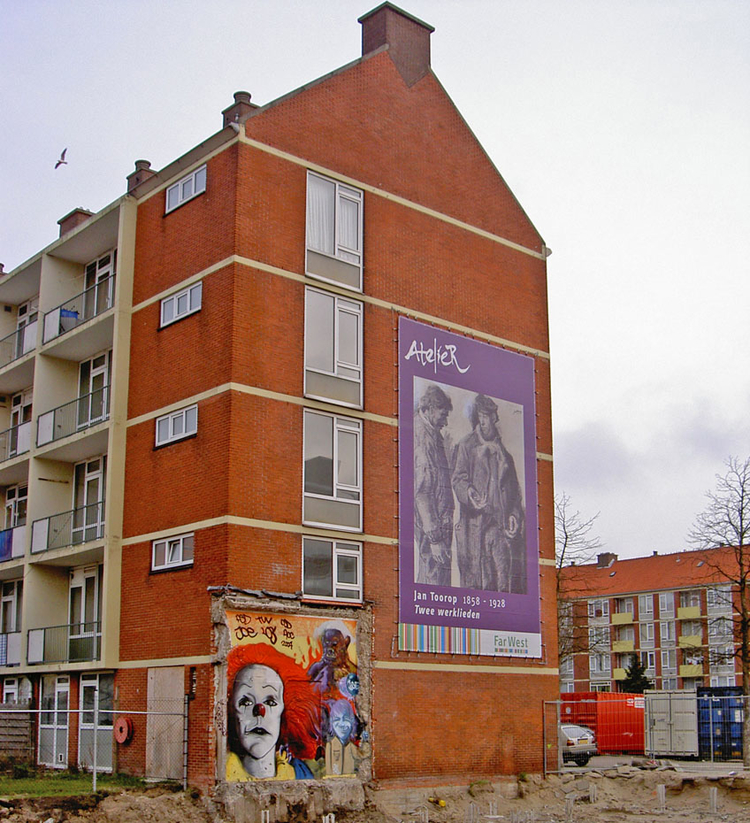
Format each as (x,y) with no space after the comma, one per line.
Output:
(407,39)
(240,110)
(142,172)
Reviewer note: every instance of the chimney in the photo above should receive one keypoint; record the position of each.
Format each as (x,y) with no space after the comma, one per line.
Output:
(73,219)
(2,269)
(605,560)
(240,111)
(407,38)
(142,172)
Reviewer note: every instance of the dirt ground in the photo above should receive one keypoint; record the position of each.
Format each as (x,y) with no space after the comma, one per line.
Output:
(593,797)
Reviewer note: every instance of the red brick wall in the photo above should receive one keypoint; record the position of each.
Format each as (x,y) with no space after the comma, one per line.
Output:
(247,457)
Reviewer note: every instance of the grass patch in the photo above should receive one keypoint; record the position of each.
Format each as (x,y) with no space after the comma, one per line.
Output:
(64,784)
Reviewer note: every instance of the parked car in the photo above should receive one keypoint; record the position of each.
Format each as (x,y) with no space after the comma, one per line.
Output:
(578,743)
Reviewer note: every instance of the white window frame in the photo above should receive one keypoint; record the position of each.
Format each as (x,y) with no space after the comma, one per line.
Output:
(340,425)
(720,630)
(647,632)
(666,604)
(721,680)
(667,631)
(193,301)
(342,192)
(690,599)
(624,605)
(719,599)
(339,548)
(669,660)
(669,684)
(10,690)
(645,604)
(600,663)
(602,605)
(648,661)
(173,546)
(197,181)
(341,305)
(173,419)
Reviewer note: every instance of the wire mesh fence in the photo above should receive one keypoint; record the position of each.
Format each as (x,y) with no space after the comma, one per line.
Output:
(150,744)
(705,725)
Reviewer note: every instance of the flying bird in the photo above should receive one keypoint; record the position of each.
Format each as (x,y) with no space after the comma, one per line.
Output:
(62,161)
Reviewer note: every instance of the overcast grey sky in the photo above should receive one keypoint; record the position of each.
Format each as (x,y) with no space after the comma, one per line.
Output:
(623,127)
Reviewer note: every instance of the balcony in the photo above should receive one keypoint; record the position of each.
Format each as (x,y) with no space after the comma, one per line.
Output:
(68,528)
(689,613)
(78,415)
(619,674)
(74,643)
(691,670)
(689,641)
(14,441)
(18,343)
(12,543)
(622,618)
(10,649)
(84,306)
(619,646)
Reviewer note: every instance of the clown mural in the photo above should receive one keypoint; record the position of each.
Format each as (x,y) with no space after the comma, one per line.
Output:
(292,689)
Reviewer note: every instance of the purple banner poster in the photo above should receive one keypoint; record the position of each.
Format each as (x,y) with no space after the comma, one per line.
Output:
(468,536)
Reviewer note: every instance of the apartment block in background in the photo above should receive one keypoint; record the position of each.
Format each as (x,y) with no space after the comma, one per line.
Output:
(676,613)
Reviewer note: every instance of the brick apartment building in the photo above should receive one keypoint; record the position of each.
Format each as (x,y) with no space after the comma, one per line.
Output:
(674,612)
(222,460)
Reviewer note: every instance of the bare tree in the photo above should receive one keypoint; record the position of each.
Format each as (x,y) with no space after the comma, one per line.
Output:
(726,523)
(575,544)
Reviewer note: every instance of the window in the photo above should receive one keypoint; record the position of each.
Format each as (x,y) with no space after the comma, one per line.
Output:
(721,658)
(176,426)
(187,188)
(645,604)
(599,638)
(691,628)
(10,613)
(569,687)
(666,631)
(172,552)
(10,690)
(598,608)
(333,347)
(647,634)
(626,633)
(566,668)
(16,498)
(669,683)
(719,599)
(666,603)
(600,687)
(334,231)
(332,471)
(181,304)
(599,664)
(720,680)
(624,605)
(648,660)
(331,569)
(690,599)
(669,660)
(720,629)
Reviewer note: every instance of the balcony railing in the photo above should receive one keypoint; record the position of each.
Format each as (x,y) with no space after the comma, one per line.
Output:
(74,643)
(72,417)
(14,441)
(12,543)
(18,343)
(10,649)
(89,303)
(68,528)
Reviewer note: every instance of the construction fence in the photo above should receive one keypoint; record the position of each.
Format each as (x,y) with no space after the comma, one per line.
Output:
(151,744)
(703,725)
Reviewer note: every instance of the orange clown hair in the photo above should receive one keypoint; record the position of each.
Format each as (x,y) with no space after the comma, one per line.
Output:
(300,721)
